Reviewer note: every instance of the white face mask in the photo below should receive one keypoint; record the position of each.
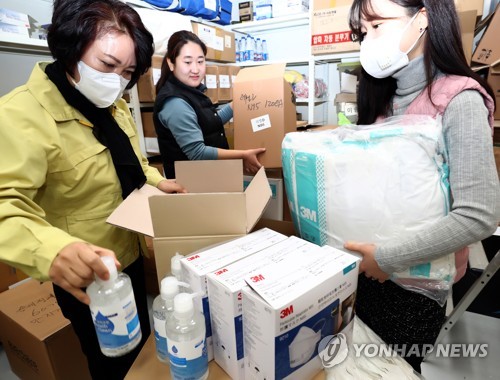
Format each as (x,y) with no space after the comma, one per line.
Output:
(381,57)
(102,89)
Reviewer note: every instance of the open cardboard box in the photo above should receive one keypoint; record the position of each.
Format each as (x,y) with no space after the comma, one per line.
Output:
(214,210)
(264,111)
(39,342)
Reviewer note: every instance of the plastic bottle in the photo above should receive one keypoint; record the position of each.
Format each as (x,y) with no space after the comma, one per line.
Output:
(163,306)
(237,49)
(114,312)
(243,49)
(258,50)
(250,48)
(186,342)
(265,54)
(175,266)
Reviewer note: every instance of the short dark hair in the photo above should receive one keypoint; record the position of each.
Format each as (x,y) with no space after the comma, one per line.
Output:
(78,23)
(174,46)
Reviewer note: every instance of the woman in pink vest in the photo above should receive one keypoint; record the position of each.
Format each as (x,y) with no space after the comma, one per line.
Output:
(413,63)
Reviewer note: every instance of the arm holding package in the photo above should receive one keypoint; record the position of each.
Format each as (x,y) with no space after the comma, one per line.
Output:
(475,190)
(27,240)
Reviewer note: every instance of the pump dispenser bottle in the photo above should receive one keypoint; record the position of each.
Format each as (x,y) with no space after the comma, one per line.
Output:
(163,306)
(114,312)
(175,266)
(186,343)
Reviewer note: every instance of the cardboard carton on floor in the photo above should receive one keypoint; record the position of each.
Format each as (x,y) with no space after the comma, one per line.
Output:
(264,111)
(214,210)
(39,342)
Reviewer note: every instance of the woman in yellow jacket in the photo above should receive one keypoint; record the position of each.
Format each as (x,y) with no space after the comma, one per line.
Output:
(70,154)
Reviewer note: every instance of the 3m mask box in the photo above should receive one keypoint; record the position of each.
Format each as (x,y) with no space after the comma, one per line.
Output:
(224,294)
(196,266)
(289,307)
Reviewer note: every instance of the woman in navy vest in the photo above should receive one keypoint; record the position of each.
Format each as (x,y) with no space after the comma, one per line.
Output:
(189,126)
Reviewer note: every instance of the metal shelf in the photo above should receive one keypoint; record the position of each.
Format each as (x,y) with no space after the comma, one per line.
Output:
(270,24)
(25,45)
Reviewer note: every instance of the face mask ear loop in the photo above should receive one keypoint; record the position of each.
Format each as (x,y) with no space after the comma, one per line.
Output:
(422,31)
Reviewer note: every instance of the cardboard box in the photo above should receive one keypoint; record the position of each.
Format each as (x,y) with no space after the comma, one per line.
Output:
(494,82)
(274,209)
(330,27)
(147,82)
(39,342)
(224,294)
(225,89)
(211,80)
(467,26)
(196,266)
(264,111)
(289,307)
(245,11)
(220,43)
(470,5)
(488,49)
(8,276)
(148,128)
(229,131)
(214,210)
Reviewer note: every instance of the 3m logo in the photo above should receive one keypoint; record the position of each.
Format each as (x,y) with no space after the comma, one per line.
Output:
(308,214)
(191,258)
(286,312)
(219,272)
(240,296)
(257,278)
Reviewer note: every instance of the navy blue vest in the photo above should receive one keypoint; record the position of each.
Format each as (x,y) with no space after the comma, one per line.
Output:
(208,120)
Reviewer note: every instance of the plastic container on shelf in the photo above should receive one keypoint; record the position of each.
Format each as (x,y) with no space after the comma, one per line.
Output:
(114,311)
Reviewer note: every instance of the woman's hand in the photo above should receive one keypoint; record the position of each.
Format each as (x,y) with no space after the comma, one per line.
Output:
(251,164)
(368,264)
(75,265)
(170,186)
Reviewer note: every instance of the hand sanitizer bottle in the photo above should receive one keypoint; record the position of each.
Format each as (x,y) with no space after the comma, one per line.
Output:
(163,306)
(114,312)
(175,266)
(186,343)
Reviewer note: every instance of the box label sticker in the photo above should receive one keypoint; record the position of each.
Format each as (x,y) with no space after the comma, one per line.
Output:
(260,123)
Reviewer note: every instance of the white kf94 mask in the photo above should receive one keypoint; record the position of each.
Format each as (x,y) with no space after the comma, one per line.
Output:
(381,57)
(102,89)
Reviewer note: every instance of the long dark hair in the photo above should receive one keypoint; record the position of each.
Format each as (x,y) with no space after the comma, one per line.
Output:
(443,50)
(78,23)
(174,46)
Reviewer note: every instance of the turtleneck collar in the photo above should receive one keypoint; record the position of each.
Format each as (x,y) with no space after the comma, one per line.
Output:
(411,78)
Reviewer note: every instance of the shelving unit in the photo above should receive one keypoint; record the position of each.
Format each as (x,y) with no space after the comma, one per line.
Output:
(294,50)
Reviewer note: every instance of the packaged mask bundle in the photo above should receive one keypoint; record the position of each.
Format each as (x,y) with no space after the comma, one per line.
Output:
(375,184)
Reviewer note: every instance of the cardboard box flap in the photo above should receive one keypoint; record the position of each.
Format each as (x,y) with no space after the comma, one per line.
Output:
(258,194)
(190,214)
(210,176)
(272,71)
(133,213)
(33,306)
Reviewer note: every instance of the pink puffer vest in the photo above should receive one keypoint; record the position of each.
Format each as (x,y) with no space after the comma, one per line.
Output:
(443,91)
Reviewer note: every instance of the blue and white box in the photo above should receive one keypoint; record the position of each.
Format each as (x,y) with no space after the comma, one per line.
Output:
(196,266)
(224,293)
(289,307)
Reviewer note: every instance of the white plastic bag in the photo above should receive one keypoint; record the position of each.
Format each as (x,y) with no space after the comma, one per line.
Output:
(373,184)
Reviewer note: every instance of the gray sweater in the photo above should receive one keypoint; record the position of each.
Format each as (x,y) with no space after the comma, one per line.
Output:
(475,189)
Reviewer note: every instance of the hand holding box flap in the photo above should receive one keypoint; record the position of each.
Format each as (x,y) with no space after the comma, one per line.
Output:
(207,177)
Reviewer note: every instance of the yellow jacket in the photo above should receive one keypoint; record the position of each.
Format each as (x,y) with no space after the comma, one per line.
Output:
(57,182)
